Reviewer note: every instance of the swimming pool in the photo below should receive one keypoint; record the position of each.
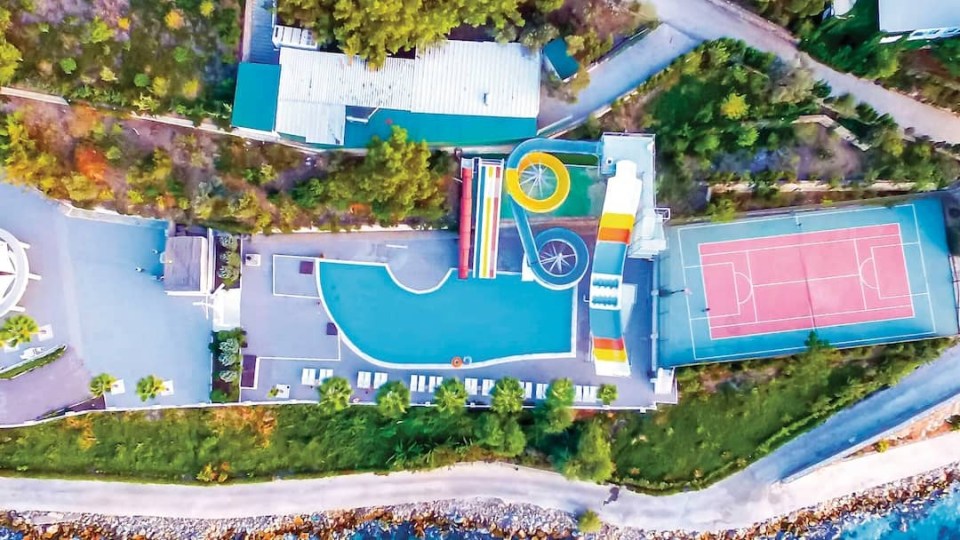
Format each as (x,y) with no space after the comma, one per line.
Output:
(483,320)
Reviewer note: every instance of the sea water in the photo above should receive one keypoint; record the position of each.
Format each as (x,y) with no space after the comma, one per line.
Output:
(940,520)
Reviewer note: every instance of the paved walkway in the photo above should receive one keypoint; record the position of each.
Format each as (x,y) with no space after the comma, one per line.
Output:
(619,75)
(712,19)
(753,495)
(726,505)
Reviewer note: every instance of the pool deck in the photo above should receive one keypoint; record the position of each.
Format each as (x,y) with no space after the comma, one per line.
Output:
(288,333)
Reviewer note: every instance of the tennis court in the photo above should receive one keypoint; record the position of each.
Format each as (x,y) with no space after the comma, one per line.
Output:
(758,287)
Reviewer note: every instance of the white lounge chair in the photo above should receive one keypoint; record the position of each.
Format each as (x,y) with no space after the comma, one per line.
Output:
(118,388)
(487,387)
(363,380)
(471,385)
(541,391)
(578,394)
(590,394)
(308,377)
(379,379)
(422,384)
(527,390)
(323,375)
(45,333)
(413,382)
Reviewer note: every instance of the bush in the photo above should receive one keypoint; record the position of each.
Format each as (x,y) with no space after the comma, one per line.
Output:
(589,522)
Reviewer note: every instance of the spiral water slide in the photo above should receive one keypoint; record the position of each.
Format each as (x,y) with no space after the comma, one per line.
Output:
(539,183)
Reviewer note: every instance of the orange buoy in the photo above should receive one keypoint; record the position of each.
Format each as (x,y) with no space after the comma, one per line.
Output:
(457,361)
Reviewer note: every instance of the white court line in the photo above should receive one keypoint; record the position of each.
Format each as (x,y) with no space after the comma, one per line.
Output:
(800,245)
(772,332)
(808,280)
(807,215)
(736,289)
(784,350)
(830,314)
(923,266)
(863,294)
(683,272)
(796,245)
(756,317)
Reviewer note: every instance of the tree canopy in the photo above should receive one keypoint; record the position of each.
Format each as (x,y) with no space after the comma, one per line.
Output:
(373,29)
(451,396)
(17,330)
(507,396)
(335,394)
(393,399)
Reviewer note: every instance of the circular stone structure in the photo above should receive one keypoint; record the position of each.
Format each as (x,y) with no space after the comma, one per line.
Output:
(14,272)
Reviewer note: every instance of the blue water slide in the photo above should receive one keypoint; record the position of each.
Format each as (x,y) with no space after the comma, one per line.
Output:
(557,257)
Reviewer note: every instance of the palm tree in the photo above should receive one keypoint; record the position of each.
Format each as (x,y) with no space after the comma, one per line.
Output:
(607,393)
(101,384)
(560,393)
(450,396)
(507,396)
(393,399)
(17,330)
(335,394)
(149,387)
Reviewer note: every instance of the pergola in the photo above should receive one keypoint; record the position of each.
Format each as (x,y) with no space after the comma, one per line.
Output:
(14,272)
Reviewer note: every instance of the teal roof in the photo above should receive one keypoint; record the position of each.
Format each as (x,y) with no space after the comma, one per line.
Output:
(439,129)
(255,103)
(556,53)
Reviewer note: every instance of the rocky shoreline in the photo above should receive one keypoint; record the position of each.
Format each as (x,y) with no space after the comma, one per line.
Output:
(480,519)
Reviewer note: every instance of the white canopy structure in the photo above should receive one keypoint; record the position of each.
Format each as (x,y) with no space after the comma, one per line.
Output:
(14,272)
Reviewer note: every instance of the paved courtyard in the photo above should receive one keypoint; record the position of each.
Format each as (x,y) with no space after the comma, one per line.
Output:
(112,318)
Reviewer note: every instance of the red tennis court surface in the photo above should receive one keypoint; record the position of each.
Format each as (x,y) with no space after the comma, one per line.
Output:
(804,281)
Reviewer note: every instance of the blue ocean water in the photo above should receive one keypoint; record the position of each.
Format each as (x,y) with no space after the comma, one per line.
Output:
(938,521)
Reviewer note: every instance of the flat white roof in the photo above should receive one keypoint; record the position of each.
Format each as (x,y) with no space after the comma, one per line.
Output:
(910,15)
(456,78)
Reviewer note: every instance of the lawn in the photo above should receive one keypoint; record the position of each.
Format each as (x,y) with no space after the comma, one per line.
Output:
(729,416)
(143,55)
(732,415)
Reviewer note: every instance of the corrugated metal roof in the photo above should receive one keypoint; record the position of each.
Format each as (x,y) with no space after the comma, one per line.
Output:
(907,16)
(456,77)
(317,123)
(321,77)
(477,79)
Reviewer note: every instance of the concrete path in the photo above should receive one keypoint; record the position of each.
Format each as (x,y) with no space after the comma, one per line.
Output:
(726,505)
(618,76)
(753,495)
(712,19)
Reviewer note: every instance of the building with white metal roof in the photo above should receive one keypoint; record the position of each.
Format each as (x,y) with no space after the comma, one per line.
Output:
(457,92)
(920,19)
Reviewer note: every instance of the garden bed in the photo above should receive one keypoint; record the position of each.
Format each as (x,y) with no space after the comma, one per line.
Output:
(23,368)
(144,55)
(226,349)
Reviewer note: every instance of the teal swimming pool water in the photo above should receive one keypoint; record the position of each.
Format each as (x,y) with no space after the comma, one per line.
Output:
(485,320)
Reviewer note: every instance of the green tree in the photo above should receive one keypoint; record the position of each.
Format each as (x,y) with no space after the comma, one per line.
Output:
(149,387)
(10,56)
(335,394)
(101,384)
(593,459)
(555,414)
(393,399)
(507,396)
(607,393)
(450,396)
(734,106)
(372,29)
(68,65)
(17,330)
(502,434)
(722,210)
(589,522)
